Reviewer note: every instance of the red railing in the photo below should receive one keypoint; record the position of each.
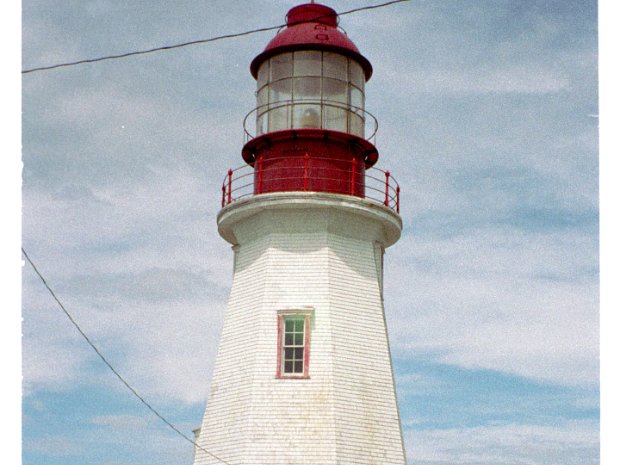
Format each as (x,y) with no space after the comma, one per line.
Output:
(377,185)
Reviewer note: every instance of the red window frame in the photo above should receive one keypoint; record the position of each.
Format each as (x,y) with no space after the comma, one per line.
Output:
(280,373)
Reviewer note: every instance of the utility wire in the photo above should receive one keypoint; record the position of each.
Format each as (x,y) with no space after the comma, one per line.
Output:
(193,42)
(127,385)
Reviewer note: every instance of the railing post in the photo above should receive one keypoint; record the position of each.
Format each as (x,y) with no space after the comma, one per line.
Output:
(306,162)
(230,172)
(223,195)
(353,166)
(387,188)
(398,199)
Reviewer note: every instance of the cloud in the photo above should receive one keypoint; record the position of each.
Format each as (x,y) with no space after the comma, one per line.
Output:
(498,299)
(571,443)
(50,364)
(112,440)
(135,286)
(55,446)
(121,423)
(160,367)
(511,79)
(112,133)
(53,357)
(172,337)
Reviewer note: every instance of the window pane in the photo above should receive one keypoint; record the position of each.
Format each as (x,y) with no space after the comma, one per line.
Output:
(299,353)
(334,90)
(288,367)
(281,66)
(357,125)
(280,90)
(289,325)
(306,116)
(263,74)
(357,74)
(289,339)
(307,63)
(357,98)
(307,88)
(335,118)
(289,353)
(299,339)
(261,98)
(299,366)
(279,118)
(334,65)
(262,124)
(299,325)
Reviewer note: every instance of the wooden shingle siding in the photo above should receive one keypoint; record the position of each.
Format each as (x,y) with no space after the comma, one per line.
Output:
(321,261)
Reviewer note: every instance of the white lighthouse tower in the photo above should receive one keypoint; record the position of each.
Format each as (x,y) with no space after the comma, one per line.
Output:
(303,373)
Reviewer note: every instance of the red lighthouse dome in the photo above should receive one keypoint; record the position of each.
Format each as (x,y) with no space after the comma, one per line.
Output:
(314,27)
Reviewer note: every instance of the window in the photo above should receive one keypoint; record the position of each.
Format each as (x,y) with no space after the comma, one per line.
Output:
(293,345)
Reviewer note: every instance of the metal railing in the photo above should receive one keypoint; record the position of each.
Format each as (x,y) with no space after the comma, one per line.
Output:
(353,120)
(372,183)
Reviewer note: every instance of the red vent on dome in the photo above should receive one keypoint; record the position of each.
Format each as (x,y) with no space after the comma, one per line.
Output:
(312,12)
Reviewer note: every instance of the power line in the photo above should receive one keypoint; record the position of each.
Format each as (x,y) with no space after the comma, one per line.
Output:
(193,42)
(101,356)
(152,50)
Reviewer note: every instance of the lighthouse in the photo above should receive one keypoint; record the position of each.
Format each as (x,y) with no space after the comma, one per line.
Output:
(303,373)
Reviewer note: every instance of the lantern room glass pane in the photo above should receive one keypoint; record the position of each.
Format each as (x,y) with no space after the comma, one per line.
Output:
(335,66)
(279,118)
(306,116)
(281,66)
(307,63)
(357,124)
(357,98)
(307,88)
(334,90)
(262,98)
(262,124)
(280,90)
(335,118)
(263,74)
(357,77)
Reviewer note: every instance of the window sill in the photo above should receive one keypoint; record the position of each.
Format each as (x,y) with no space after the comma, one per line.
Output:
(292,377)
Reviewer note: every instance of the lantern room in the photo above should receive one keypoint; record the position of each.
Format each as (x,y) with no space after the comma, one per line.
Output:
(310,89)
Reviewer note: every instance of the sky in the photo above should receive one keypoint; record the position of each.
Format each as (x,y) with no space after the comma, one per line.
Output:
(488,118)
